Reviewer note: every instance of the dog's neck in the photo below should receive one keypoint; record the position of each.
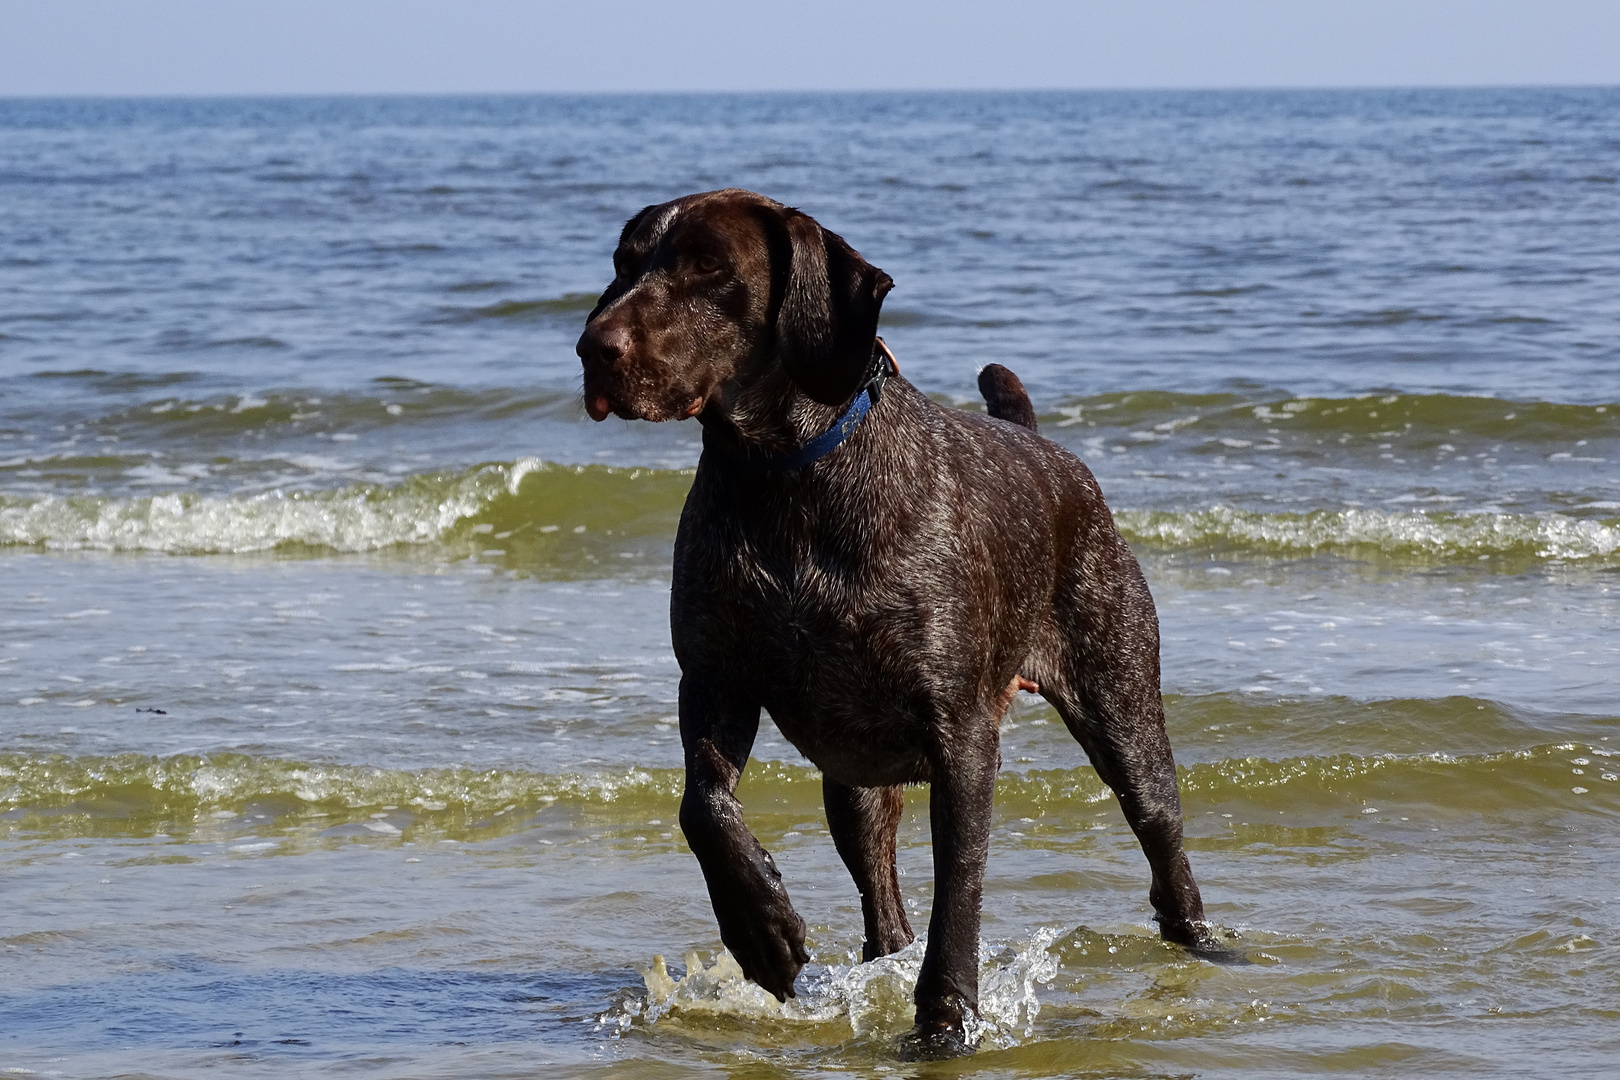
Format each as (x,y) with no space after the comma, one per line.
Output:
(765,417)
(768,416)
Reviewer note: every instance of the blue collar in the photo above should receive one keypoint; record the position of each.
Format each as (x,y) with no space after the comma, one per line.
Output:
(882,369)
(825,443)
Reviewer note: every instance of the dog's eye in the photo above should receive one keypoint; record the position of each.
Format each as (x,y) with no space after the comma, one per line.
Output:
(707,264)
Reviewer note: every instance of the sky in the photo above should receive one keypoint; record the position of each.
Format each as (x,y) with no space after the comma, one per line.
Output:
(230,47)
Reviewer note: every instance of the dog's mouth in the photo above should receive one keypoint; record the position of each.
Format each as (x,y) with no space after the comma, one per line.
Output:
(604,399)
(599,406)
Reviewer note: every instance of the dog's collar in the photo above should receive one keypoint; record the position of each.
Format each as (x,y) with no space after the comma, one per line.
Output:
(882,368)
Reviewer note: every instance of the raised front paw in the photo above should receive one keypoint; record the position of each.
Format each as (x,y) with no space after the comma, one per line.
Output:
(769,947)
(760,927)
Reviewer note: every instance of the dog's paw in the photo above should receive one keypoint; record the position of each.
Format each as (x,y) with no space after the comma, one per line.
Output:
(769,947)
(940,1032)
(919,1045)
(760,927)
(1205,941)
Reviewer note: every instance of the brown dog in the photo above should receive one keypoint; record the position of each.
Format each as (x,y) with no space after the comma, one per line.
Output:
(882,583)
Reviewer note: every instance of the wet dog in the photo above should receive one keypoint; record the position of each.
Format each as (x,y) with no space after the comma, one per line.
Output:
(878,572)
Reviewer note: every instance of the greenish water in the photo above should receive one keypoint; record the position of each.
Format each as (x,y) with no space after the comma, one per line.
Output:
(452,901)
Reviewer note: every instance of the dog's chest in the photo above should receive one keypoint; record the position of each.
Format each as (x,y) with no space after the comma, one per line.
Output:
(842,685)
(845,610)
(837,652)
(821,635)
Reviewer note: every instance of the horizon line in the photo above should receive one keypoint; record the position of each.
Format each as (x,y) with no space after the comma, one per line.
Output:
(143,95)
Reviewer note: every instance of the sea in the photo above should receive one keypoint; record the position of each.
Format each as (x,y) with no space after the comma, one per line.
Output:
(337,705)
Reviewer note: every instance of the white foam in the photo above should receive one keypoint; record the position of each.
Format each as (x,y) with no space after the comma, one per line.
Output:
(362,518)
(870,999)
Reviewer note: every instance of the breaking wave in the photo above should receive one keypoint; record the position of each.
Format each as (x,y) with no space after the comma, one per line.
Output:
(1417,535)
(543,515)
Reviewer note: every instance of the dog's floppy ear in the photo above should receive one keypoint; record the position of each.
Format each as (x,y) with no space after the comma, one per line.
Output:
(828,316)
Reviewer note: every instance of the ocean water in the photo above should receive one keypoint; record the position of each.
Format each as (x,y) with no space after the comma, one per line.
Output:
(336,698)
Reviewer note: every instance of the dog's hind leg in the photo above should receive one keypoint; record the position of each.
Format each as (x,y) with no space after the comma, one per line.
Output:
(864,822)
(1107,692)
(1126,743)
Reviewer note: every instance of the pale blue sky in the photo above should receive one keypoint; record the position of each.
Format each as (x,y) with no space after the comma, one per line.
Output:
(438,46)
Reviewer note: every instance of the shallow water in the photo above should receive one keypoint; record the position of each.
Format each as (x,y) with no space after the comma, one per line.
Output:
(336,699)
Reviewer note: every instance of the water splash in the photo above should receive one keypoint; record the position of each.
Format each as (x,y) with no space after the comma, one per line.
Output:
(861,1001)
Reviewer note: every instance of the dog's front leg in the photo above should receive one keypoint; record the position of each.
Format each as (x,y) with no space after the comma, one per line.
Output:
(757,921)
(959,805)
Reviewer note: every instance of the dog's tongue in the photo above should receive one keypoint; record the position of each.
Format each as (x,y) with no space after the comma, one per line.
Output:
(598,407)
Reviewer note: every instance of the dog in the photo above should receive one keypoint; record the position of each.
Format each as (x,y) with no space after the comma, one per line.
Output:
(879,573)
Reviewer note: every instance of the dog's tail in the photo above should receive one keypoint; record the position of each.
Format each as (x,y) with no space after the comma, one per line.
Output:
(1005,397)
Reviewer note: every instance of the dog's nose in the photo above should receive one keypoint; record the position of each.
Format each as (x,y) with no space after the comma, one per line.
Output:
(603,343)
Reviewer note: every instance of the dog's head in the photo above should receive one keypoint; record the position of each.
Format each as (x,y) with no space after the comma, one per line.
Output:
(710,291)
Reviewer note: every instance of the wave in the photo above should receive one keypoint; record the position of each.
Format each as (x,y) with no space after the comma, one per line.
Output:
(1536,778)
(140,786)
(1412,535)
(1429,416)
(541,515)
(572,306)
(134,791)
(1414,421)
(395,402)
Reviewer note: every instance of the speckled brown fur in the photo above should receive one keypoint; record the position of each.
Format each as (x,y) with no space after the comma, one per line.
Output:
(882,604)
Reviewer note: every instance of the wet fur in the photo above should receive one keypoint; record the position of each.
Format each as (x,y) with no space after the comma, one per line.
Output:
(884,604)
